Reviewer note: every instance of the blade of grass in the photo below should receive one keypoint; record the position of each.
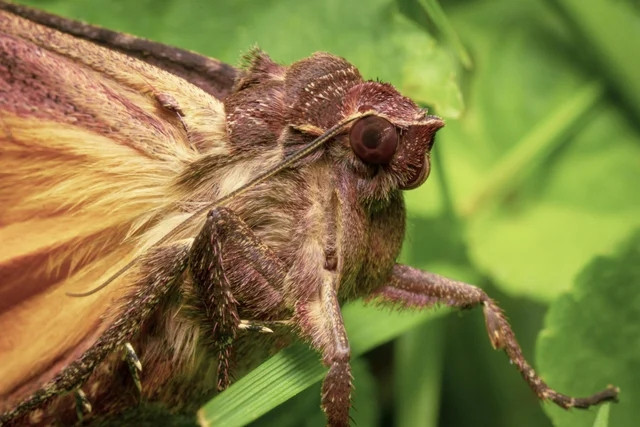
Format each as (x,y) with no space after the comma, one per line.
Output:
(297,367)
(442,23)
(418,357)
(602,419)
(534,147)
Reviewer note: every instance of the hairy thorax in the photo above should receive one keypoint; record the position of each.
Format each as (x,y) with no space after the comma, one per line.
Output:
(315,223)
(311,219)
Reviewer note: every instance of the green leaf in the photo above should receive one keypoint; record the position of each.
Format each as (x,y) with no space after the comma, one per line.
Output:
(296,368)
(366,409)
(517,164)
(538,252)
(586,203)
(591,338)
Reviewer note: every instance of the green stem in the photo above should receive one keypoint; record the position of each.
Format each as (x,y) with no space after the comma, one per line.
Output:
(532,149)
(442,23)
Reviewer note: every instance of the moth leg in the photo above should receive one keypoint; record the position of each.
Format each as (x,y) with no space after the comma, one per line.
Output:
(414,288)
(134,364)
(226,238)
(321,320)
(83,406)
(159,271)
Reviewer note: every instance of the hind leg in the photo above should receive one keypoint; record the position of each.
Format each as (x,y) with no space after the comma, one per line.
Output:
(159,271)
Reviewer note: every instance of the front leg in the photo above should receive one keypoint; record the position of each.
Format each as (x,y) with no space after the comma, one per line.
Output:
(225,242)
(413,288)
(321,321)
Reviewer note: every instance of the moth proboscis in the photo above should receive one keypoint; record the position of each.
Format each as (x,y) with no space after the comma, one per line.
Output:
(110,149)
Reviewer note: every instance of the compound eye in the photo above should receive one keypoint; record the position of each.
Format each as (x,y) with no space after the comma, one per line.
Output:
(374,140)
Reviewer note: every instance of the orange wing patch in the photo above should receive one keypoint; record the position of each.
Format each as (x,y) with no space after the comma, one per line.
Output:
(89,159)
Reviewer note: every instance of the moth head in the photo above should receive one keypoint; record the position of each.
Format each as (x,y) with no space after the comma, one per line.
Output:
(391,146)
(385,145)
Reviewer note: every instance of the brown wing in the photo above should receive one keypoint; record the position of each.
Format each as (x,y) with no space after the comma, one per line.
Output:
(91,144)
(209,74)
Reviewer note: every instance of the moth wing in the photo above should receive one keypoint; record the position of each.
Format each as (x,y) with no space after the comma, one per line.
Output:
(91,144)
(209,74)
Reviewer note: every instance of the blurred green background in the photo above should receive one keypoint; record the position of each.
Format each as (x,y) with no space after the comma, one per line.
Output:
(533,196)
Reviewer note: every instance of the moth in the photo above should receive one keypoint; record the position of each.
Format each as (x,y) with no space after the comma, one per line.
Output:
(162,211)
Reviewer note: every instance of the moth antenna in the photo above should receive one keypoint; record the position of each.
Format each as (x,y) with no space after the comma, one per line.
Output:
(106,282)
(300,154)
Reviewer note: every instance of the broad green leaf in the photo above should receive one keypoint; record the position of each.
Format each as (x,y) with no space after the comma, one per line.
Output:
(536,253)
(591,338)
